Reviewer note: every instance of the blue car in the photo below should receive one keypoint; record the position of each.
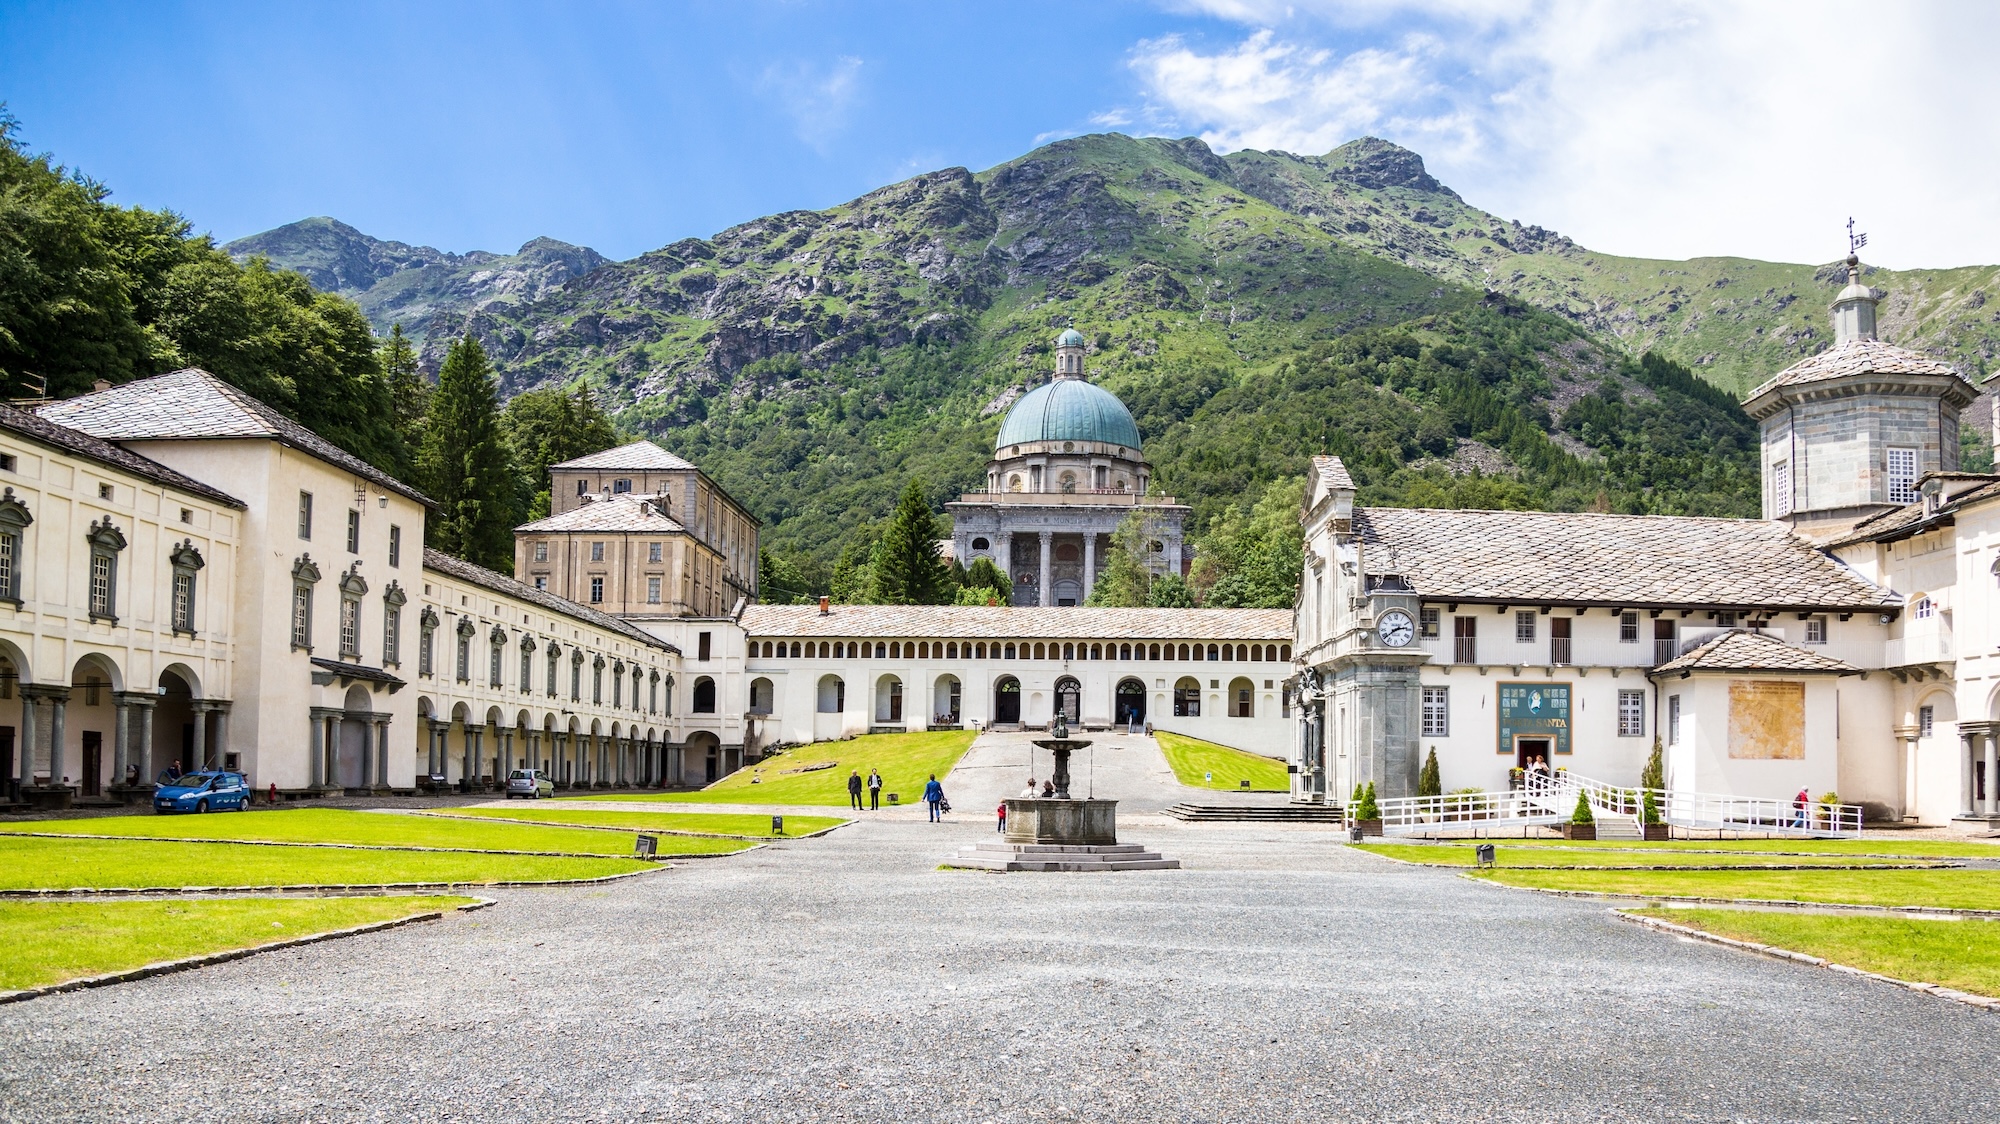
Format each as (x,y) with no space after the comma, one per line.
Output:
(220,791)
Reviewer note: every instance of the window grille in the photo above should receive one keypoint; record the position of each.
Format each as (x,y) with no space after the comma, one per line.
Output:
(652,591)
(596,590)
(1815,630)
(1781,488)
(1428,621)
(1524,626)
(106,541)
(1437,712)
(541,552)
(186,561)
(1902,476)
(1925,717)
(1631,714)
(302,607)
(1628,628)
(350,627)
(597,552)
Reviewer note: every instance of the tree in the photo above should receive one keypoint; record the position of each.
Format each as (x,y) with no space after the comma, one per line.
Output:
(853,579)
(1654,775)
(1171,591)
(782,581)
(407,388)
(1428,781)
(984,574)
(1254,561)
(1582,815)
(1127,580)
(465,464)
(908,570)
(548,426)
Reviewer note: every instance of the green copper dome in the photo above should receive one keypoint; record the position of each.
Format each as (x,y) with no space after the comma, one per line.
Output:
(1070,338)
(1069,410)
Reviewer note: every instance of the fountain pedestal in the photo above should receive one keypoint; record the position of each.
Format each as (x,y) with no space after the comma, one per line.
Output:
(1074,822)
(1060,833)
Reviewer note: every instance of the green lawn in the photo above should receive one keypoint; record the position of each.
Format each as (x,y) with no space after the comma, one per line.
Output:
(28,863)
(48,942)
(742,824)
(1193,759)
(1958,954)
(333,825)
(904,760)
(1510,856)
(1905,848)
(1948,889)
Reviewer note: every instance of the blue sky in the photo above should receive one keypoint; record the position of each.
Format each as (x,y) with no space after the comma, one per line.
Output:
(1669,129)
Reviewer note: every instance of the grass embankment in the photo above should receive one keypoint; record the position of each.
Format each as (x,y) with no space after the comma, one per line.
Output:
(44,943)
(725,824)
(905,761)
(1517,857)
(1943,889)
(1193,759)
(333,825)
(1957,954)
(28,863)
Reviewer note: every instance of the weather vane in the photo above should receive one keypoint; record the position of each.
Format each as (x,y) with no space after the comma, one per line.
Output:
(1854,241)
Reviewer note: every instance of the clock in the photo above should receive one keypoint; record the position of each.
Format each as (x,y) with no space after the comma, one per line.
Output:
(1395,629)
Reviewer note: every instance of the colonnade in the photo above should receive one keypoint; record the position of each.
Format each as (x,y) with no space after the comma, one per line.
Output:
(130,755)
(324,758)
(1980,742)
(570,758)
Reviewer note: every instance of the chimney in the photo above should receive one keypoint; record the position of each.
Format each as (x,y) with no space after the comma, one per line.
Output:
(100,385)
(824,611)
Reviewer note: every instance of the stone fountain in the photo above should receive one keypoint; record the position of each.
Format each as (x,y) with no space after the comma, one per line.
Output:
(1061,833)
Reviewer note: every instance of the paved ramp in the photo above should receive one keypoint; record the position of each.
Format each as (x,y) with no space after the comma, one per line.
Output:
(1128,768)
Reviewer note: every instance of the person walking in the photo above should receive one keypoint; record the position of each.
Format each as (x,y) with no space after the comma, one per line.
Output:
(854,789)
(1002,829)
(874,791)
(1799,803)
(934,797)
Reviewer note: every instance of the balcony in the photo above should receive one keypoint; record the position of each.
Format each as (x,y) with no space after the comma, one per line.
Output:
(1923,642)
(1559,651)
(1108,497)
(1465,650)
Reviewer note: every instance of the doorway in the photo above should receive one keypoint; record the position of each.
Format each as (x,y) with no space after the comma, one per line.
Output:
(1130,702)
(93,763)
(1526,749)
(1069,698)
(1007,702)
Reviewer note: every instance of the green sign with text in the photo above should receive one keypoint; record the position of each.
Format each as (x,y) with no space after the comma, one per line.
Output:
(1536,710)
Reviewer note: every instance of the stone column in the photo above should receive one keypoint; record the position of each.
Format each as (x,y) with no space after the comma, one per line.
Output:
(201,709)
(144,706)
(1992,807)
(58,714)
(471,766)
(222,731)
(367,748)
(121,738)
(1970,800)
(382,752)
(31,704)
(333,749)
(1042,591)
(1089,563)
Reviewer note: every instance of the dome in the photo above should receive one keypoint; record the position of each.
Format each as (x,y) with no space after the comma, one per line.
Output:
(1069,410)
(1070,338)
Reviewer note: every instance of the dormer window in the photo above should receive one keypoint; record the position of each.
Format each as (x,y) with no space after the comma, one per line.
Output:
(620,487)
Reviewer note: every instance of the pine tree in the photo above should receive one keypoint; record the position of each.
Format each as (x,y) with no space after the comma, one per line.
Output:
(984,574)
(407,388)
(1654,775)
(1428,781)
(1582,815)
(908,570)
(466,466)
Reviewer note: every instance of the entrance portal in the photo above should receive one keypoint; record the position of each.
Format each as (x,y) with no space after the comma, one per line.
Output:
(1527,749)
(1131,702)
(1007,702)
(1069,699)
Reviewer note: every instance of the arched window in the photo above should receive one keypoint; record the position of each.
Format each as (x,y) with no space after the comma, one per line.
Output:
(981,544)
(1069,651)
(14,519)
(1228,652)
(1009,653)
(1211,652)
(1153,653)
(1124,651)
(1039,654)
(106,543)
(761,695)
(982,651)
(1187,697)
(1243,652)
(1240,693)
(896,651)
(1257,653)
(823,650)
(704,695)
(840,651)
(951,651)
(832,694)
(1285,653)
(1184,651)
(795,649)
(1097,651)
(881,650)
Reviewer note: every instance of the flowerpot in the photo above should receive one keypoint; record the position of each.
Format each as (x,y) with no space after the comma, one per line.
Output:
(1657,833)
(1370,827)
(1579,831)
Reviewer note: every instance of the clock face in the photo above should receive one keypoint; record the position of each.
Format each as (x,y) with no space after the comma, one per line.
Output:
(1395,628)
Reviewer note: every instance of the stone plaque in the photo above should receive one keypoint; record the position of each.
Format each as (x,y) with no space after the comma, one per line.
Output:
(1767,721)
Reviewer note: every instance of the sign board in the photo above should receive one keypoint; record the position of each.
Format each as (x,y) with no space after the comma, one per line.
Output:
(646,846)
(1535,710)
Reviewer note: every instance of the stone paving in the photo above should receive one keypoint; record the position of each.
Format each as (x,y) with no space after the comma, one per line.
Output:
(1278,977)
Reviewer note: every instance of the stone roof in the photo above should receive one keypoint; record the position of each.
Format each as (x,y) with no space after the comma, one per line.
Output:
(1960,490)
(192,404)
(500,583)
(78,443)
(1005,623)
(624,514)
(639,456)
(1578,558)
(1859,357)
(1750,650)
(1332,472)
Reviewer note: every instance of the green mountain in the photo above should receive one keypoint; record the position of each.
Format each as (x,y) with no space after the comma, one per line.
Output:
(1251,308)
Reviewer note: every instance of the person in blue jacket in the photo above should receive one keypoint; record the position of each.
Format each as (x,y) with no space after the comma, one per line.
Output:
(934,796)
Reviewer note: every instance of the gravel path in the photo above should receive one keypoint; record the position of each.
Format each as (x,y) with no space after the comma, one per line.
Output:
(1279,977)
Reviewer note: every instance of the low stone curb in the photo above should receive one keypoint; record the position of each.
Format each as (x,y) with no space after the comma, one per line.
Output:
(165,967)
(310,887)
(329,846)
(627,830)
(1759,903)
(1982,1002)
(1462,868)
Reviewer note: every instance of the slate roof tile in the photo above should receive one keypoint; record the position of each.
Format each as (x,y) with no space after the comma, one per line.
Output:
(951,622)
(1750,650)
(1858,357)
(74,441)
(638,456)
(622,513)
(500,583)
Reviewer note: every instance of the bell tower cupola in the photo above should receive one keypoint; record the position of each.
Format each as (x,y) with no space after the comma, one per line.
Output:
(1069,354)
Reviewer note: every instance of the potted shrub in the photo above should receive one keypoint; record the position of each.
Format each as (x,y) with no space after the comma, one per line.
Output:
(1581,825)
(1829,808)
(1649,817)
(1366,811)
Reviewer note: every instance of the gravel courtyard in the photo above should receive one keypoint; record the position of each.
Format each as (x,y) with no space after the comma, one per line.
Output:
(1278,977)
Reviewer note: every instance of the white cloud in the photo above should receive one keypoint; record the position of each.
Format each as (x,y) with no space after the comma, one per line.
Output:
(817,97)
(1668,130)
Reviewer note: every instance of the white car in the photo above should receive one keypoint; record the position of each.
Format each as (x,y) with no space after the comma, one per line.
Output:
(529,784)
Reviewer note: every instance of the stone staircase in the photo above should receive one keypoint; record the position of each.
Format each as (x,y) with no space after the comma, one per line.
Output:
(1256,813)
(1051,857)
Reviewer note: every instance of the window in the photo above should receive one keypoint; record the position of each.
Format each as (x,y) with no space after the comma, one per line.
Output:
(395,545)
(493,659)
(352,587)
(1428,623)
(582,488)
(1925,716)
(6,462)
(597,552)
(304,576)
(464,653)
(1437,712)
(1559,639)
(1725,618)
(186,562)
(14,519)
(1631,714)
(104,491)
(597,681)
(1924,609)
(1465,639)
(703,643)
(1673,720)
(541,552)
(353,531)
(653,590)
(305,515)
(187,515)
(575,675)
(106,541)
(1664,641)
(555,654)
(1902,476)
(653,551)
(392,625)
(1816,630)
(542,582)
(620,487)
(596,590)
(1628,628)
(704,695)
(1524,626)
(618,685)
(527,664)
(1781,488)
(427,624)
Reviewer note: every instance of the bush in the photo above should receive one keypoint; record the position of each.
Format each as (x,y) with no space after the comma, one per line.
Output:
(1829,798)
(1365,807)
(1654,775)
(1428,781)
(1582,814)
(1649,808)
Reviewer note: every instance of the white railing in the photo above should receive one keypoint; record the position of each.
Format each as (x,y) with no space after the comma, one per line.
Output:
(1545,799)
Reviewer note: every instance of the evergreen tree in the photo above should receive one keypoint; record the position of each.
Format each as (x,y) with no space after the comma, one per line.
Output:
(1127,582)
(1171,591)
(984,574)
(548,426)
(407,388)
(1654,775)
(782,581)
(465,464)
(1583,814)
(908,570)
(853,579)
(1428,781)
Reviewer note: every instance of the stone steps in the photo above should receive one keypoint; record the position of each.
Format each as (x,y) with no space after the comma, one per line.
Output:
(1051,857)
(1280,813)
